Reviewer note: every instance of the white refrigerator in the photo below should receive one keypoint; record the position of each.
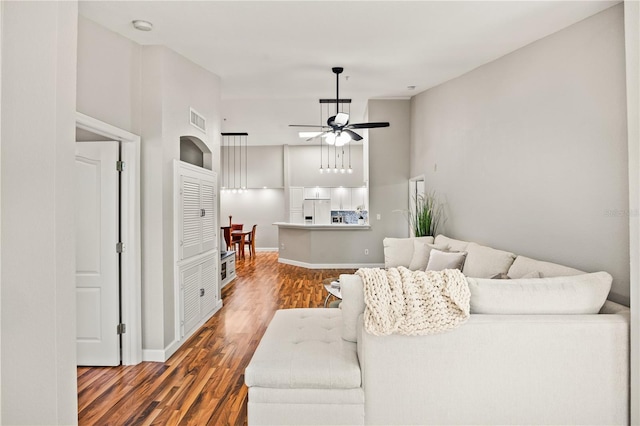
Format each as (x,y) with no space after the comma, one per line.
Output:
(317,212)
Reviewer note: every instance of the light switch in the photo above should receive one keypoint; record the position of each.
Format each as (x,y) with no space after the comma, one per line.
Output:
(378,216)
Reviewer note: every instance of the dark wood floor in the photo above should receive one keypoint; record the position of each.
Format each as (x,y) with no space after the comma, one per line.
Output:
(203,382)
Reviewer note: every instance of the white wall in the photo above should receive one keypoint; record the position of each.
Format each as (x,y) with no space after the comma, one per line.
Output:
(265,165)
(148,91)
(109,82)
(531,150)
(184,85)
(171,85)
(304,165)
(258,206)
(388,173)
(38,369)
(632,55)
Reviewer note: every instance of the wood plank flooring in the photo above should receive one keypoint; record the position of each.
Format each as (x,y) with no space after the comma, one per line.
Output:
(203,382)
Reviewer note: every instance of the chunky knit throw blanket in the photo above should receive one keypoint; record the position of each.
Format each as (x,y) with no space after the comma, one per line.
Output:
(414,302)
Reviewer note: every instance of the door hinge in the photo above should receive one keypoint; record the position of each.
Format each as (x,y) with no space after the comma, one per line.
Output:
(121,329)
(120,166)
(201,292)
(120,247)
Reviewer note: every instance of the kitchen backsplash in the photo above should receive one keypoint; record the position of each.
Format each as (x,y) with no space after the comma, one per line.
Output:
(348,216)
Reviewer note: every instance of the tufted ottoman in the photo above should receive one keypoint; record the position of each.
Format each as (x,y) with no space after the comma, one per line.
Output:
(304,373)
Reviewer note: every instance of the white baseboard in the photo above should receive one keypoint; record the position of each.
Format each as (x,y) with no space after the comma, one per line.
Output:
(266,248)
(330,265)
(162,355)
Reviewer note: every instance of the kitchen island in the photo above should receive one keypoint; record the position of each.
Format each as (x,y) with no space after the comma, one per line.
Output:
(333,246)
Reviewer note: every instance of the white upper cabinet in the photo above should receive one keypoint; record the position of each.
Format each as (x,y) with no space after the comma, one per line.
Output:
(341,199)
(359,198)
(317,193)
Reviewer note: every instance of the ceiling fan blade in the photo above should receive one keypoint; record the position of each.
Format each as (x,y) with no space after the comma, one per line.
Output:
(368,125)
(356,137)
(319,135)
(309,125)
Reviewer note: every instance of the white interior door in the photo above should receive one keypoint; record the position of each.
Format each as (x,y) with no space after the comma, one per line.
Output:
(97,266)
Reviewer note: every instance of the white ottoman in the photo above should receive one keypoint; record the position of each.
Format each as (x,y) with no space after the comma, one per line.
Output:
(304,373)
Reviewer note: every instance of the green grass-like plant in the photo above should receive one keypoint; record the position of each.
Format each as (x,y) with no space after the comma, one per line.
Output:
(427,215)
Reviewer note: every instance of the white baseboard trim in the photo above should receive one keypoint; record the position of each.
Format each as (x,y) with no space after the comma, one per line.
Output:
(266,248)
(162,355)
(329,265)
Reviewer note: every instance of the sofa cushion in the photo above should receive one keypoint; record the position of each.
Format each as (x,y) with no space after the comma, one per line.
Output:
(421,252)
(399,251)
(524,265)
(302,348)
(486,262)
(352,305)
(441,260)
(454,245)
(578,294)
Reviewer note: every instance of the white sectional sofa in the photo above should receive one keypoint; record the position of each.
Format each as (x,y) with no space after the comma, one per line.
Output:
(545,350)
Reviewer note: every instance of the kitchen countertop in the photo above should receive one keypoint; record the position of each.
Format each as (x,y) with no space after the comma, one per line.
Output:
(330,227)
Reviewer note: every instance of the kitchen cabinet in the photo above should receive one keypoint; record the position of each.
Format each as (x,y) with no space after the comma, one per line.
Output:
(341,199)
(296,202)
(317,193)
(359,198)
(296,197)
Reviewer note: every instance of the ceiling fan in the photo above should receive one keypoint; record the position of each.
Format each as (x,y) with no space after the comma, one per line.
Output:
(339,130)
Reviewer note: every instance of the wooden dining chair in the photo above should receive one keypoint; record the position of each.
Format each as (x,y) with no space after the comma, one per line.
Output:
(236,240)
(251,241)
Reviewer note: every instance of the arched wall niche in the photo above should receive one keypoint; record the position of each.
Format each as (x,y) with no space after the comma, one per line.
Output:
(194,151)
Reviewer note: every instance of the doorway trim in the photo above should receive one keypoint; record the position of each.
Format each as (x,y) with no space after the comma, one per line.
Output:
(131,295)
(413,192)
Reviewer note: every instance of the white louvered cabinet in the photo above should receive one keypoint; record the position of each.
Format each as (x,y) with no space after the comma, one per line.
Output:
(196,253)
(198,222)
(198,292)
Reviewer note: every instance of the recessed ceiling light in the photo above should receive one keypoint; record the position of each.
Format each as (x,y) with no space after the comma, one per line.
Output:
(142,25)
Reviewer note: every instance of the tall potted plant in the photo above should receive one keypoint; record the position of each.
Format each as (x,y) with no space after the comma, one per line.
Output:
(427,216)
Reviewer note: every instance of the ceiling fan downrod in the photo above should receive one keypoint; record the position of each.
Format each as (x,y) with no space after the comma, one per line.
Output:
(337,71)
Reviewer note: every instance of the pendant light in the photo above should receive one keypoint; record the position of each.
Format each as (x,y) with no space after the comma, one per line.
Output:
(237,186)
(321,169)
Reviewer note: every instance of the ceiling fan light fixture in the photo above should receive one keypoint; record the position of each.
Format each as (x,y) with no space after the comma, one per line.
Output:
(331,138)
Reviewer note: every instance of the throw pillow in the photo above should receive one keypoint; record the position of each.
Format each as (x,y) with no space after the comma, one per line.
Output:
(440,260)
(577,294)
(421,252)
(533,274)
(485,262)
(499,276)
(524,265)
(399,251)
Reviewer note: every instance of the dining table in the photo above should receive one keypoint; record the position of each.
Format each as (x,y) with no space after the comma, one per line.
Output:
(241,234)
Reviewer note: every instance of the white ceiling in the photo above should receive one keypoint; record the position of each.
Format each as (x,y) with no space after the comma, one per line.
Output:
(281,52)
